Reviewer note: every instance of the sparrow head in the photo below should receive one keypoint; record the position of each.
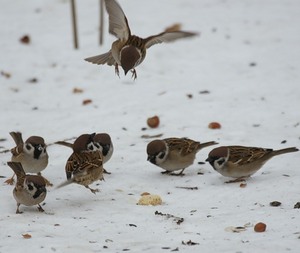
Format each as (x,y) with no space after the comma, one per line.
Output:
(103,142)
(35,146)
(157,151)
(218,157)
(129,58)
(35,185)
(83,143)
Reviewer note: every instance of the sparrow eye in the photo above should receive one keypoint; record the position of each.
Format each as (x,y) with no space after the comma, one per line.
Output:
(28,147)
(162,155)
(221,161)
(30,187)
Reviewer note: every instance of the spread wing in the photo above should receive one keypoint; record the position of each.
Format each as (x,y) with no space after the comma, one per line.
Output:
(101,59)
(83,162)
(167,37)
(118,24)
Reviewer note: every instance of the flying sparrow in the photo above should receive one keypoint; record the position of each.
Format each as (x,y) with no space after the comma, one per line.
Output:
(129,50)
(102,142)
(32,154)
(173,154)
(30,190)
(84,166)
(241,162)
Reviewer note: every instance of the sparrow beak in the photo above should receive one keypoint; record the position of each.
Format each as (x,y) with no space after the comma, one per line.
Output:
(209,159)
(152,159)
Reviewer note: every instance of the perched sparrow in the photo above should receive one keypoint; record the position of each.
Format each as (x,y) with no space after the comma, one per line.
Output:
(84,166)
(129,51)
(30,190)
(32,154)
(173,154)
(241,162)
(102,142)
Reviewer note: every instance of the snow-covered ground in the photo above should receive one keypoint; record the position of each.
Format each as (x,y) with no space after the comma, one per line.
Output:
(247,58)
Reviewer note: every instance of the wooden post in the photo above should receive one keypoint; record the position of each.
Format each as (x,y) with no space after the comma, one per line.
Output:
(101,20)
(74,23)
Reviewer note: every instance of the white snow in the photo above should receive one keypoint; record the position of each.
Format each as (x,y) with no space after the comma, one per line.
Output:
(256,106)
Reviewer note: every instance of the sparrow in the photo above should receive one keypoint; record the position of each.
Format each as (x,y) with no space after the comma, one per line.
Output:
(173,154)
(32,154)
(102,142)
(241,162)
(129,51)
(84,166)
(30,190)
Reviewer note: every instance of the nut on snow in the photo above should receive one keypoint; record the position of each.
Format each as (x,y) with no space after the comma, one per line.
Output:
(260,227)
(147,200)
(214,125)
(153,122)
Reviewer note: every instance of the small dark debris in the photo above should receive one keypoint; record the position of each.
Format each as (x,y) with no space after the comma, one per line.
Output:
(178,220)
(35,108)
(33,80)
(3,139)
(124,128)
(204,92)
(285,175)
(187,188)
(176,249)
(297,205)
(201,162)
(275,203)
(105,247)
(256,125)
(200,173)
(283,142)
(144,128)
(190,243)
(132,225)
(165,247)
(5,74)
(189,96)
(25,39)
(125,249)
(252,64)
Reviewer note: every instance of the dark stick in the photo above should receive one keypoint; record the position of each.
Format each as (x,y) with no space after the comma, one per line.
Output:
(101,20)
(74,23)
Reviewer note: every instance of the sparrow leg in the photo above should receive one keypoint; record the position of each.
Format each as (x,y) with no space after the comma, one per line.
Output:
(117,70)
(106,172)
(92,190)
(237,180)
(40,208)
(11,180)
(166,172)
(134,75)
(18,210)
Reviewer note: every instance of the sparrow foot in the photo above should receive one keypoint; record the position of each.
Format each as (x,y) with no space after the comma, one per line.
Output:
(40,208)
(134,75)
(18,210)
(10,181)
(237,180)
(117,70)
(92,190)
(106,172)
(47,182)
(173,174)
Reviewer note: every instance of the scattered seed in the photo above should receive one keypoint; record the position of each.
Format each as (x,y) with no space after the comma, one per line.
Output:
(275,203)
